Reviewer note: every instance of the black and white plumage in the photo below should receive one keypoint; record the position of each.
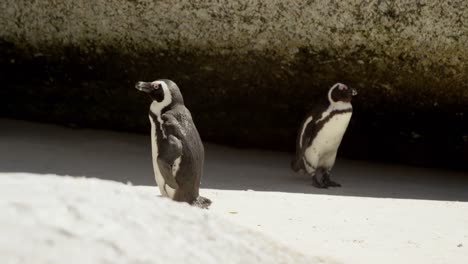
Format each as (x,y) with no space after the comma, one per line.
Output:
(177,150)
(320,136)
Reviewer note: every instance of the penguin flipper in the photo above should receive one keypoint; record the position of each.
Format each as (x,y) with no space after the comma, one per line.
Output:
(169,153)
(171,125)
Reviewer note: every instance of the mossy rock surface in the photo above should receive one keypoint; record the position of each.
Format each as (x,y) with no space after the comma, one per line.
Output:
(249,70)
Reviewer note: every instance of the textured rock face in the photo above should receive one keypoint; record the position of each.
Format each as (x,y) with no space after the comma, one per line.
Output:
(249,70)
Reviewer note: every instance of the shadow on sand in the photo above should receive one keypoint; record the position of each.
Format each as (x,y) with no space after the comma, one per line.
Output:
(48,149)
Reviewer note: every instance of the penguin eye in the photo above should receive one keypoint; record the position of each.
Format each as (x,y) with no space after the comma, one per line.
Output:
(156,86)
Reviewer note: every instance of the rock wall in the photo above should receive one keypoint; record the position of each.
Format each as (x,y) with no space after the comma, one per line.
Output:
(249,69)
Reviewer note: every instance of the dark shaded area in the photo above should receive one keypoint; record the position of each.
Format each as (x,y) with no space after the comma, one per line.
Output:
(43,149)
(247,101)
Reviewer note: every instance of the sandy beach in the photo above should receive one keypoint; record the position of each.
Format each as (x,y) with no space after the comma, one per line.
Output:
(384,213)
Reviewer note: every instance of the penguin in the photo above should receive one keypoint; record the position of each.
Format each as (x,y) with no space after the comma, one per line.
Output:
(177,150)
(320,135)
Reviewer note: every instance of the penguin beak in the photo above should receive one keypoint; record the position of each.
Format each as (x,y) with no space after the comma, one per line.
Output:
(353,92)
(144,87)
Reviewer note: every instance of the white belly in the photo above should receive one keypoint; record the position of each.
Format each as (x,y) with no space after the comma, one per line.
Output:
(165,189)
(322,151)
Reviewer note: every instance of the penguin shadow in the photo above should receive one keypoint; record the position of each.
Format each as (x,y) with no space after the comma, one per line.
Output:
(50,149)
(124,157)
(234,169)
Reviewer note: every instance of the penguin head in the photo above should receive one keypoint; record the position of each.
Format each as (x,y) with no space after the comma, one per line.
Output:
(341,93)
(162,92)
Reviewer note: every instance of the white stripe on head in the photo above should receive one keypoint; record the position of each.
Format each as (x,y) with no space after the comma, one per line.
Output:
(336,85)
(301,138)
(157,107)
(334,106)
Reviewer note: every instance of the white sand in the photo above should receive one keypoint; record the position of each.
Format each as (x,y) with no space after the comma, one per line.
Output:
(382,214)
(49,219)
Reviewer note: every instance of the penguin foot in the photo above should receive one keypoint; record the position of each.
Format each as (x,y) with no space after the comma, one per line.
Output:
(318,184)
(297,166)
(331,183)
(202,202)
(302,172)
